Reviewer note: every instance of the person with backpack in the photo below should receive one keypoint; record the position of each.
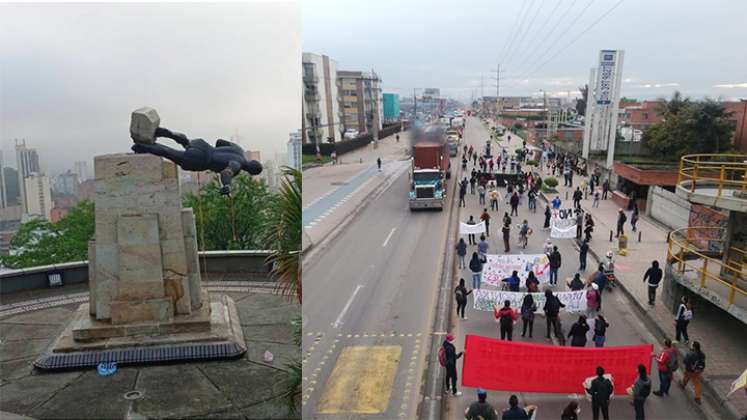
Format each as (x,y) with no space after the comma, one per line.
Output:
(667,362)
(447,357)
(583,251)
(485,217)
(532,283)
(461,293)
(601,390)
(577,196)
(461,249)
(555,262)
(653,275)
(552,312)
(578,332)
(694,366)
(600,330)
(528,307)
(588,227)
(640,391)
(481,409)
(475,265)
(684,315)
(506,317)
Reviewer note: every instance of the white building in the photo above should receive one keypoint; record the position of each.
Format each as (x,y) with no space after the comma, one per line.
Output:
(361,99)
(38,196)
(27,161)
(321,115)
(294,150)
(81,169)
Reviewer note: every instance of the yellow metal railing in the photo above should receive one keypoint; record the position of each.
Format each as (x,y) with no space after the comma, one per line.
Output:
(686,251)
(720,171)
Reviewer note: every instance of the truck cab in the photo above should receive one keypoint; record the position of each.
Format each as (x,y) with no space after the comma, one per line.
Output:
(427,189)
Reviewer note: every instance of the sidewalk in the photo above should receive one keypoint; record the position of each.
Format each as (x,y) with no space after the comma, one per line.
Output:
(717,331)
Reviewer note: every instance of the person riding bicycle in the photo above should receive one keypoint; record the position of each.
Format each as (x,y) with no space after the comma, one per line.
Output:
(609,268)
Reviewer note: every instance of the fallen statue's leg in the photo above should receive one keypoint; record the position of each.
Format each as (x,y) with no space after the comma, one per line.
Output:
(173,155)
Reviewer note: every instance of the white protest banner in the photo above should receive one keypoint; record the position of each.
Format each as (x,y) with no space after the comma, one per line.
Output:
(467,229)
(486,299)
(563,224)
(499,267)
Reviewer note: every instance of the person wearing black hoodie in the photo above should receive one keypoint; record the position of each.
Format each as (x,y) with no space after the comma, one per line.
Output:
(583,250)
(450,361)
(461,294)
(527,314)
(475,265)
(552,311)
(578,332)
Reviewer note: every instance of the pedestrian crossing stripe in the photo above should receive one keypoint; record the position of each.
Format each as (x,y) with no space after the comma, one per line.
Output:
(361,380)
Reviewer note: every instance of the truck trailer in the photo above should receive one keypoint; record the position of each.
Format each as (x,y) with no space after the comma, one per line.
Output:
(429,171)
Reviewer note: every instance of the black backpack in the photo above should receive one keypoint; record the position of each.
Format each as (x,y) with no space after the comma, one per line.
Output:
(506,319)
(646,389)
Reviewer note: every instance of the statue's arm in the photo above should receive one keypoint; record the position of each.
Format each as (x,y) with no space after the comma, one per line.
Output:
(227,174)
(177,137)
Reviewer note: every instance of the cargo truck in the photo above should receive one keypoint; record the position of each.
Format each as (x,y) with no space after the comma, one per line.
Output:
(428,174)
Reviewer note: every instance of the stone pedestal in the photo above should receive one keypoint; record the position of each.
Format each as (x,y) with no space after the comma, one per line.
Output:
(144,272)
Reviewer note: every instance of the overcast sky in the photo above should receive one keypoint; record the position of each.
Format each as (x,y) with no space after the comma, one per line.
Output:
(71,74)
(697,47)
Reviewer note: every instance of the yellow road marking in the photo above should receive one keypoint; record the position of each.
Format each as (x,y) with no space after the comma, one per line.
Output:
(361,381)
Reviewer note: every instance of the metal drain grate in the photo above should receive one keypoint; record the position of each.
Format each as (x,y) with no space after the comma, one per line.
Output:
(141,356)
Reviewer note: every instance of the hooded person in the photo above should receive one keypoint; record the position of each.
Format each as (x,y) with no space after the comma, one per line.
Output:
(450,357)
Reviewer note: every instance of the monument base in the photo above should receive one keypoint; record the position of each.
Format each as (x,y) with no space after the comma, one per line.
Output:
(213,333)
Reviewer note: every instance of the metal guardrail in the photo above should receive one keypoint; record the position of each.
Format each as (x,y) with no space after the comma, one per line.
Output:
(721,171)
(685,247)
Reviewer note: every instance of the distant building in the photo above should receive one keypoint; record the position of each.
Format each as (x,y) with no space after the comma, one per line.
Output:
(391,107)
(67,183)
(253,155)
(27,162)
(360,97)
(10,183)
(294,150)
(81,169)
(270,174)
(3,191)
(38,196)
(639,115)
(57,214)
(321,115)
(87,190)
(739,118)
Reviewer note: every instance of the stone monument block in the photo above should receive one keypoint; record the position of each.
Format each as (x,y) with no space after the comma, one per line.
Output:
(140,268)
(133,311)
(193,261)
(92,276)
(143,125)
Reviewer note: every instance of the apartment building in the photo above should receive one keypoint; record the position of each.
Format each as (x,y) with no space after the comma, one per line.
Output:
(321,115)
(360,100)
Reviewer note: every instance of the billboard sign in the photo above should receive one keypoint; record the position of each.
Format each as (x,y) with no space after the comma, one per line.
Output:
(606,77)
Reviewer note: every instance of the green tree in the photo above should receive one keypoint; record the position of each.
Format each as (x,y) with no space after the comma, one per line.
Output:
(282,234)
(235,221)
(39,242)
(689,127)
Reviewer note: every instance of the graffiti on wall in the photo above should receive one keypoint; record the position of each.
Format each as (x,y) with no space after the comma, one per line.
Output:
(702,216)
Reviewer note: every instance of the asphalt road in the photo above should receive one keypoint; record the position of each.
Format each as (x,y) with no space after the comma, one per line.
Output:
(368,307)
(625,326)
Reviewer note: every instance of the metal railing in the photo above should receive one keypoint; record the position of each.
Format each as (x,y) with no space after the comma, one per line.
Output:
(720,171)
(687,250)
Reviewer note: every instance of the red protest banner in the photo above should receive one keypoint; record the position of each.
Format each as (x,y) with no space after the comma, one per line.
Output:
(513,366)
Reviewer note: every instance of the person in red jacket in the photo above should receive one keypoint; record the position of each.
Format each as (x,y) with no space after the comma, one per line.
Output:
(667,362)
(506,318)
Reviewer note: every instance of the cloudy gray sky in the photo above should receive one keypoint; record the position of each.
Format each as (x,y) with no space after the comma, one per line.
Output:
(694,46)
(70,74)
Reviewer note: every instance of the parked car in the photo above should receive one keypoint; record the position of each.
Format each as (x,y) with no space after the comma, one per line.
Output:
(350,134)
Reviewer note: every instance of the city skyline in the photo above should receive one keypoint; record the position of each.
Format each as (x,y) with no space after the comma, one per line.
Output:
(79,89)
(433,44)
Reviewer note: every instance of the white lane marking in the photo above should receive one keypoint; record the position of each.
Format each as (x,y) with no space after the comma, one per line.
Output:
(338,321)
(388,237)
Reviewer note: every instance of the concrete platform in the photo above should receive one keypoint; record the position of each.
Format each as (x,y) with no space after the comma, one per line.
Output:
(214,332)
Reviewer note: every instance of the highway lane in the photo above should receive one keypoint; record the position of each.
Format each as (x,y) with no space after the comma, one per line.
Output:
(372,290)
